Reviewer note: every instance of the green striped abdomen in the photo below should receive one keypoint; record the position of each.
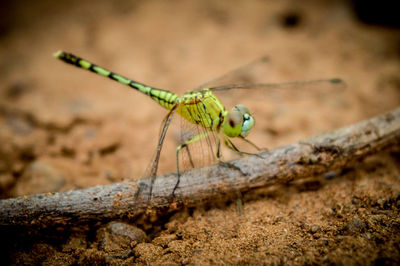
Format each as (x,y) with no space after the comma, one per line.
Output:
(165,98)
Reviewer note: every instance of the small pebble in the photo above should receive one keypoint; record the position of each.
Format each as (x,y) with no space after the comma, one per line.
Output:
(119,238)
(315,229)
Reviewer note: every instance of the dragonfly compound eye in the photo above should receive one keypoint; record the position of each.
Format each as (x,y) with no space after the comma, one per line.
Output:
(248,123)
(247,119)
(233,123)
(243,109)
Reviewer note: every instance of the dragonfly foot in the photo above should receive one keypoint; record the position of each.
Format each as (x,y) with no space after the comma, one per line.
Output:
(231,166)
(176,185)
(257,155)
(251,154)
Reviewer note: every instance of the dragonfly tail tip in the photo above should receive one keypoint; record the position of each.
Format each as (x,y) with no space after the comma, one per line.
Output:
(336,80)
(58,54)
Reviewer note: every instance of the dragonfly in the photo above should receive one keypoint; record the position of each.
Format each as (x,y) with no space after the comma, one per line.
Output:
(200,107)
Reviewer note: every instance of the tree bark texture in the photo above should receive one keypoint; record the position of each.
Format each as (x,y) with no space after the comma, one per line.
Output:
(312,156)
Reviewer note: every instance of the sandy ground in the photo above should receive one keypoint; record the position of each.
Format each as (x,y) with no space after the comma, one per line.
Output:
(63,128)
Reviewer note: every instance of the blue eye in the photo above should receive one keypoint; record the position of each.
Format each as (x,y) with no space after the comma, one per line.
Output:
(248,123)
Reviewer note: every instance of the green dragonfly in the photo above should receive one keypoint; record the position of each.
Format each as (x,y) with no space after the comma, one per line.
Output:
(200,107)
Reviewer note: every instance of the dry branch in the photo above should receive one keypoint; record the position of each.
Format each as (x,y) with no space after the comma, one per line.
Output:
(315,155)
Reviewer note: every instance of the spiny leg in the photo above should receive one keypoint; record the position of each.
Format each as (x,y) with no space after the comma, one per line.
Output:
(189,155)
(186,145)
(239,202)
(254,145)
(235,149)
(223,163)
(218,150)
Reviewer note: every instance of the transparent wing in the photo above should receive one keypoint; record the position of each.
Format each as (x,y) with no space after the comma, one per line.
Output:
(196,154)
(320,90)
(293,85)
(239,75)
(151,170)
(255,76)
(299,90)
(283,111)
(200,152)
(202,144)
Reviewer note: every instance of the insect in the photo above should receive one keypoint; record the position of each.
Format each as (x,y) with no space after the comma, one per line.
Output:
(200,107)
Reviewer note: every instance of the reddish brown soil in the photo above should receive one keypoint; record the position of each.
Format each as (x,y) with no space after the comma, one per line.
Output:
(62,128)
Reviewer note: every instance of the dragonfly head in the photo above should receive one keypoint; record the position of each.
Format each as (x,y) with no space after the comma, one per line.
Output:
(238,122)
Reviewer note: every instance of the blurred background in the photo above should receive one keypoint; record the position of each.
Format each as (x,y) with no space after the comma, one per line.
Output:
(64,128)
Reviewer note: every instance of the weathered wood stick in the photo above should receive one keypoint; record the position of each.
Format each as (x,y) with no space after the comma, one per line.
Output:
(312,156)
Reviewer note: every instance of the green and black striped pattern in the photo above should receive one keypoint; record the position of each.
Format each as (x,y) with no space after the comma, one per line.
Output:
(165,98)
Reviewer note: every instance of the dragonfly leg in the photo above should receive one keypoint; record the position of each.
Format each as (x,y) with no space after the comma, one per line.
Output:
(190,156)
(235,149)
(223,163)
(254,145)
(179,148)
(177,168)
(218,149)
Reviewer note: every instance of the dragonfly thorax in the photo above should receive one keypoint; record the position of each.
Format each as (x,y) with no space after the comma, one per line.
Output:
(238,122)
